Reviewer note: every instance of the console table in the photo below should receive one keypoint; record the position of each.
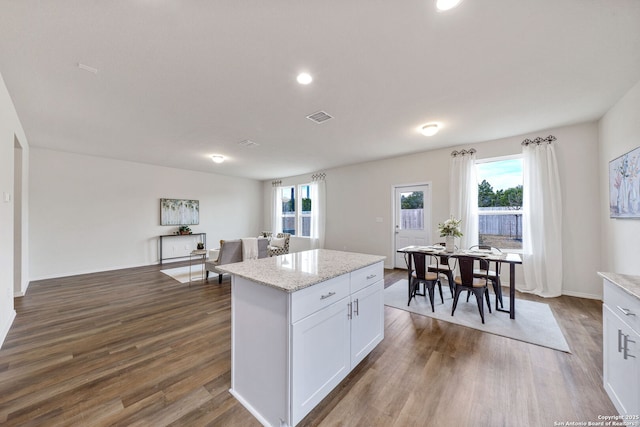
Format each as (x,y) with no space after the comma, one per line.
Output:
(203,239)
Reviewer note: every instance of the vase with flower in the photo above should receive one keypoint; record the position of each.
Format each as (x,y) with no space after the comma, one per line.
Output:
(450,229)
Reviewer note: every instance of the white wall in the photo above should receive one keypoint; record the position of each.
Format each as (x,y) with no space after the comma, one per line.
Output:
(93,214)
(13,252)
(358,194)
(619,134)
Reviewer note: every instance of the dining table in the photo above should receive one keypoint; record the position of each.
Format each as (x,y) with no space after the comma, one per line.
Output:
(499,258)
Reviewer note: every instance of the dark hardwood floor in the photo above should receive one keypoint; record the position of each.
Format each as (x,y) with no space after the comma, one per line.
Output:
(135,347)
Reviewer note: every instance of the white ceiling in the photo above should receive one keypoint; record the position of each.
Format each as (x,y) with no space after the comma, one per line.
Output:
(180,80)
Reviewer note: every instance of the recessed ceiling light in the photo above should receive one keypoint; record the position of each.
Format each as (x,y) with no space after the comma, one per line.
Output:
(447,4)
(430,129)
(217,158)
(304,78)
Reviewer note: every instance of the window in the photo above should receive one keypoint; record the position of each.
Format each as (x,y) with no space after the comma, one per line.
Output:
(500,202)
(412,210)
(296,210)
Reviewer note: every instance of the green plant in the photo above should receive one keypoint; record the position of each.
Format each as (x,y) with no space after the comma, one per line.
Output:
(184,228)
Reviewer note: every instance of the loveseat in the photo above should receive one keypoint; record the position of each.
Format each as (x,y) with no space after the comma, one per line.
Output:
(230,252)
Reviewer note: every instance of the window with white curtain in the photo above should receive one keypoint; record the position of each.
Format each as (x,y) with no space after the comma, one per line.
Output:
(500,202)
(295,213)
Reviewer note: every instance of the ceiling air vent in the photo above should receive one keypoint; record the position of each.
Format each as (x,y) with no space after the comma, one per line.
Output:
(247,143)
(319,117)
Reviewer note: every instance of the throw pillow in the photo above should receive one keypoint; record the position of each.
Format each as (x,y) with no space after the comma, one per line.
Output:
(277,241)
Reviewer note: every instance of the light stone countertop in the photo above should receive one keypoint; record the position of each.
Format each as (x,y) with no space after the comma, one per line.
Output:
(299,270)
(630,284)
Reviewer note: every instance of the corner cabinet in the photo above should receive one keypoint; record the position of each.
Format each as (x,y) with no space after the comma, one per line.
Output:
(291,349)
(621,348)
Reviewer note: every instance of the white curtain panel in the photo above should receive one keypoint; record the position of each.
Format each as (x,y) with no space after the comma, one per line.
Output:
(318,209)
(541,221)
(463,195)
(276,210)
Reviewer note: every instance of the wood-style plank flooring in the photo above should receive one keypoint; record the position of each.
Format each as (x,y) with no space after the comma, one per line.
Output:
(134,347)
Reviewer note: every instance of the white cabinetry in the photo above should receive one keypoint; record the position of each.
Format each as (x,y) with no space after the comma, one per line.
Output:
(330,342)
(367,307)
(621,352)
(320,357)
(298,346)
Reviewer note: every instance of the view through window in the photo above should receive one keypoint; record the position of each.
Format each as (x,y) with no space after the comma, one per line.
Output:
(412,207)
(500,203)
(296,210)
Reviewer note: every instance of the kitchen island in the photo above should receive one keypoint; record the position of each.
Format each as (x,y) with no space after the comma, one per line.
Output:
(299,324)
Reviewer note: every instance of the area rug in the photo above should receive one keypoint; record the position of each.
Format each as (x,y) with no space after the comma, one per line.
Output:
(181,274)
(534,322)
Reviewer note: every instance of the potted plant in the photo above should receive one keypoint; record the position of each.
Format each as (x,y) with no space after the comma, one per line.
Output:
(184,229)
(450,229)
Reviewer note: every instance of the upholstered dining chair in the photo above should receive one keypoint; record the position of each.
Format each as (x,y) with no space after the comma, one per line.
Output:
(420,275)
(467,282)
(492,274)
(231,251)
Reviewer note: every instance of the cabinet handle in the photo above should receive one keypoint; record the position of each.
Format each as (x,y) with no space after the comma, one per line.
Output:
(330,294)
(349,312)
(371,276)
(357,309)
(626,347)
(625,311)
(620,335)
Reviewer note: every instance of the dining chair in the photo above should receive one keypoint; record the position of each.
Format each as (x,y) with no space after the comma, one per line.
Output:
(442,265)
(428,279)
(485,270)
(467,282)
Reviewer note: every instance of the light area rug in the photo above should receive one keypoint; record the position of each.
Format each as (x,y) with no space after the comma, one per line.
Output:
(181,274)
(534,322)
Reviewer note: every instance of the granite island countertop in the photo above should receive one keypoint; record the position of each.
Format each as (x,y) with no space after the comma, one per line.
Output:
(299,270)
(630,284)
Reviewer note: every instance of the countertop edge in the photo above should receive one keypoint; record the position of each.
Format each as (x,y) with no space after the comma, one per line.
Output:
(628,283)
(307,281)
(305,285)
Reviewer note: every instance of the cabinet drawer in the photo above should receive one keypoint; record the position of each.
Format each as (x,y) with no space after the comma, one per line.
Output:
(366,276)
(309,300)
(626,306)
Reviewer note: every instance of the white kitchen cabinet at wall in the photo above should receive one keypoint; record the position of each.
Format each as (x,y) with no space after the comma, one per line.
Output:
(621,348)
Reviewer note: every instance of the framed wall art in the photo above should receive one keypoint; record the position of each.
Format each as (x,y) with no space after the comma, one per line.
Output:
(179,212)
(624,185)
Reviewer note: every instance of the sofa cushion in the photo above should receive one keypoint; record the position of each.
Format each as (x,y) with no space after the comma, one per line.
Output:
(277,242)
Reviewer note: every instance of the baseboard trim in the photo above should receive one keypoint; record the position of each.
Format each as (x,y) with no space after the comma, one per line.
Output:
(81,272)
(581,295)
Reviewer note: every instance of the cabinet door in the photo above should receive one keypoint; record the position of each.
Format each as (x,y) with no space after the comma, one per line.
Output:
(320,356)
(621,376)
(367,324)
